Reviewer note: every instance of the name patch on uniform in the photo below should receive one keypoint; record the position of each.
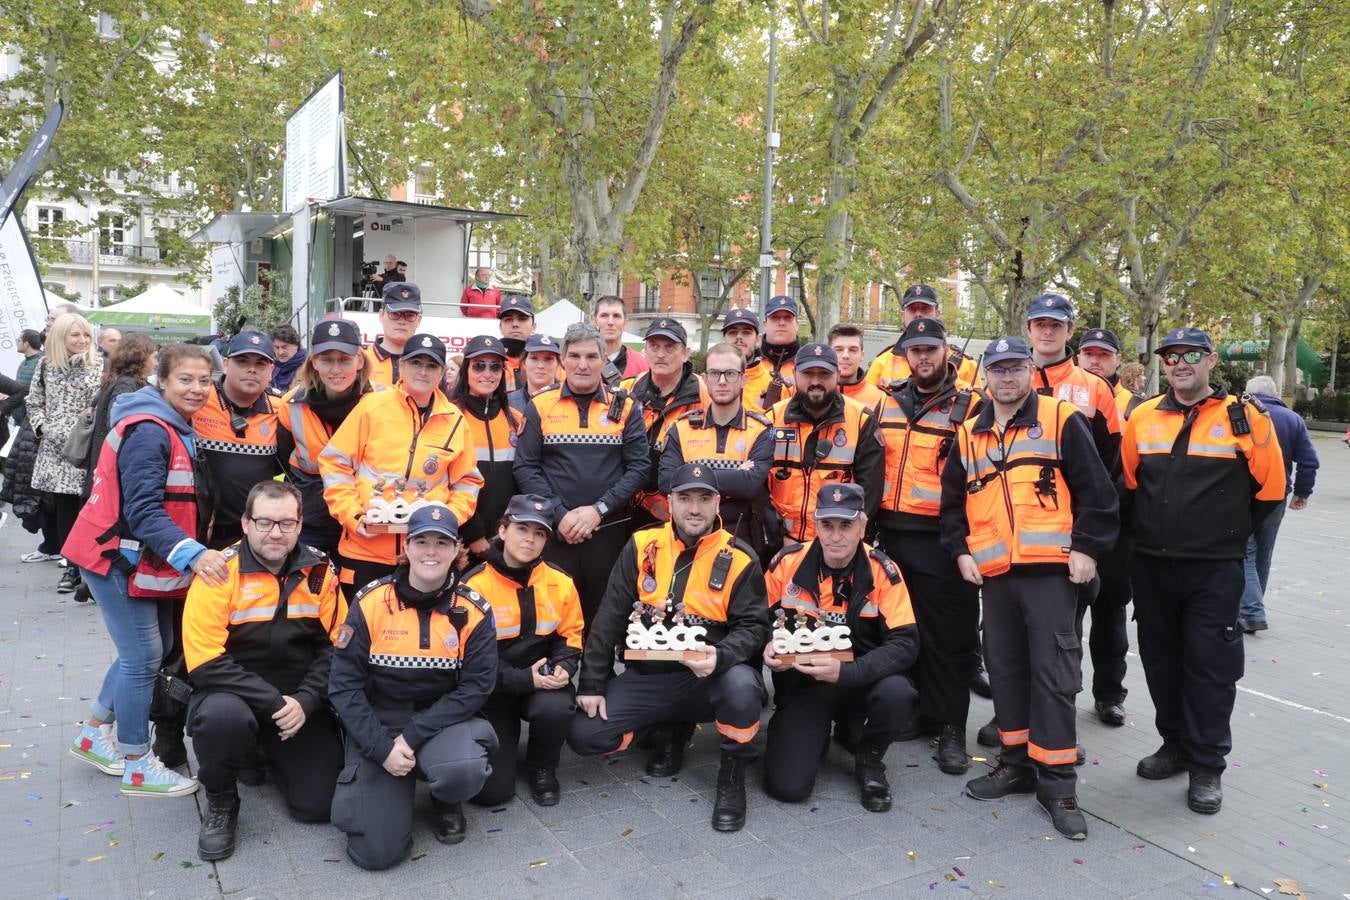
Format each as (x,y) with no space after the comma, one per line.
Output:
(344,636)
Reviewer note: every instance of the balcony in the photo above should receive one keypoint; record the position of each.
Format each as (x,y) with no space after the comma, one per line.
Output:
(59,250)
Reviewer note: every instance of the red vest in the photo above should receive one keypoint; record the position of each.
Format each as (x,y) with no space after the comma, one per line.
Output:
(96,540)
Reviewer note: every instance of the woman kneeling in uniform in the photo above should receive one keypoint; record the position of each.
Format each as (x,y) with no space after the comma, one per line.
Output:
(414,663)
(538,617)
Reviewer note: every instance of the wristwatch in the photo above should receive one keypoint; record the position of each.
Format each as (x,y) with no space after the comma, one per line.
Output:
(601,507)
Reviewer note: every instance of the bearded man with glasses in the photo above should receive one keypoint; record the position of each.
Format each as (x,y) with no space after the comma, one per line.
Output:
(1204,470)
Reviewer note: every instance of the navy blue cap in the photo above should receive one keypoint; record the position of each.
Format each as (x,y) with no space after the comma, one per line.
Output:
(335,334)
(515,303)
(1005,348)
(401,296)
(484,345)
(1185,337)
(534,508)
(1051,306)
(817,356)
(542,343)
(254,342)
(667,328)
(919,293)
(425,345)
(781,303)
(1100,337)
(694,476)
(839,501)
(740,316)
(923,333)
(434,518)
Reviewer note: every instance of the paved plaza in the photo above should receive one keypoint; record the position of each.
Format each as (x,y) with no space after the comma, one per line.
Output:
(67,831)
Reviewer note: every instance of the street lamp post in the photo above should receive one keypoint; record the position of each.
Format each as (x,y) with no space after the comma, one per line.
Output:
(770,145)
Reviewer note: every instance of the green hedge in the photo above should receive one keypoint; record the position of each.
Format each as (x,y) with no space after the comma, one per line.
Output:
(1332,406)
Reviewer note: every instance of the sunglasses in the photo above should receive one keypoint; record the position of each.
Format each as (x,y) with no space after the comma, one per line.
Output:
(1172,357)
(480,366)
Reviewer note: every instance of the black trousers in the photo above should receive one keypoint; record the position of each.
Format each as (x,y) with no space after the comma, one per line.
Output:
(799,731)
(363,573)
(1109,640)
(227,736)
(589,563)
(548,712)
(65,510)
(375,809)
(947,610)
(1191,648)
(1034,658)
(633,700)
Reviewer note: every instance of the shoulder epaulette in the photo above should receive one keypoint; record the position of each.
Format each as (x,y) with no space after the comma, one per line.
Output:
(758,417)
(273,392)
(1254,400)
(887,565)
(744,548)
(695,416)
(557,568)
(790,548)
(231,551)
(472,572)
(387,579)
(475,598)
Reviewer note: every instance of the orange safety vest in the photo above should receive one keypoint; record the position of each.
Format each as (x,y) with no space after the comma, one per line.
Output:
(717,565)
(383,366)
(657,423)
(384,448)
(887,598)
(891,368)
(397,640)
(97,538)
(1018,507)
(1126,401)
(1090,393)
(917,450)
(239,616)
(556,607)
(698,438)
(794,481)
(866,393)
(758,376)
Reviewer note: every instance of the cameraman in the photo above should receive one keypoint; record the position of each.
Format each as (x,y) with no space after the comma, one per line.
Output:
(390,274)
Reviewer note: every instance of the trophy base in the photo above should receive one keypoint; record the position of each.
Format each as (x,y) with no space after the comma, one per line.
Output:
(387,528)
(662,655)
(790,658)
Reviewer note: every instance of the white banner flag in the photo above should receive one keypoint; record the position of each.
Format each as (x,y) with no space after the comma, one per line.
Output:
(22,302)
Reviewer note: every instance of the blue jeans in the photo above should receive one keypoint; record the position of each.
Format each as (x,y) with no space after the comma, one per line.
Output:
(140,629)
(1256,567)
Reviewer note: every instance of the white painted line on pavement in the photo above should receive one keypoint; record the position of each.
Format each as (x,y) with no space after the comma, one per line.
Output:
(1291,703)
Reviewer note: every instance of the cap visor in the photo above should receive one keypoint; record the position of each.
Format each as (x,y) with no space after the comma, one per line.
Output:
(661,332)
(435,529)
(816,364)
(924,341)
(989,360)
(1099,344)
(692,486)
(1057,315)
(402,305)
(533,519)
(485,351)
(423,351)
(340,346)
(832,512)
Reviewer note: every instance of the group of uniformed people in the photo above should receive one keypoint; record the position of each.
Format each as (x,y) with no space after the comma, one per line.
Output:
(445,560)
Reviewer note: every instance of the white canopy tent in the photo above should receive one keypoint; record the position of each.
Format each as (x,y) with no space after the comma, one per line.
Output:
(160,310)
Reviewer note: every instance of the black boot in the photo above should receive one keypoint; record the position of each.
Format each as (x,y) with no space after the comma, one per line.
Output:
(168,746)
(729,807)
(216,839)
(449,825)
(668,757)
(82,593)
(951,750)
(1110,712)
(1165,762)
(1205,795)
(987,736)
(869,769)
(544,787)
(1064,813)
(1001,782)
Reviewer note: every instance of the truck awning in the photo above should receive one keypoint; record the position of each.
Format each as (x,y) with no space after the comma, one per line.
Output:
(361,206)
(239,227)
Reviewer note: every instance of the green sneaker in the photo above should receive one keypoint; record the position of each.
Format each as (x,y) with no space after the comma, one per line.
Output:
(148,777)
(97,747)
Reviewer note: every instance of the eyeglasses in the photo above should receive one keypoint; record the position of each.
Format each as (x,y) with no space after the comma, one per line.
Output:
(287,526)
(727,375)
(1006,371)
(404,315)
(479,365)
(1172,357)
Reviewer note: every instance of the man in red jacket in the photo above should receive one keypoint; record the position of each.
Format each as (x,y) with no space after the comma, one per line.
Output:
(481,300)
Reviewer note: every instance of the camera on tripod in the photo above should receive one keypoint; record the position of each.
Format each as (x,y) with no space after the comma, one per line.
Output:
(369,268)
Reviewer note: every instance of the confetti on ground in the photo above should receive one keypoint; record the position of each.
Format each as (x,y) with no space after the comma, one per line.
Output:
(1049,837)
(68,804)
(1190,849)
(34,796)
(948,876)
(1281,842)
(95,858)
(332,859)
(626,832)
(1077,861)
(909,855)
(1138,847)
(99,827)
(493,830)
(980,758)
(1323,827)
(157,857)
(28,822)
(1318,772)
(1320,785)
(959,858)
(538,862)
(1228,880)
(957,870)
(1211,884)
(995,884)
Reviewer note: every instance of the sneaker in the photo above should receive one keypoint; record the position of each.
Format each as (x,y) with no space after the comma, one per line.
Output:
(97,747)
(148,777)
(70,581)
(38,556)
(1064,813)
(1001,782)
